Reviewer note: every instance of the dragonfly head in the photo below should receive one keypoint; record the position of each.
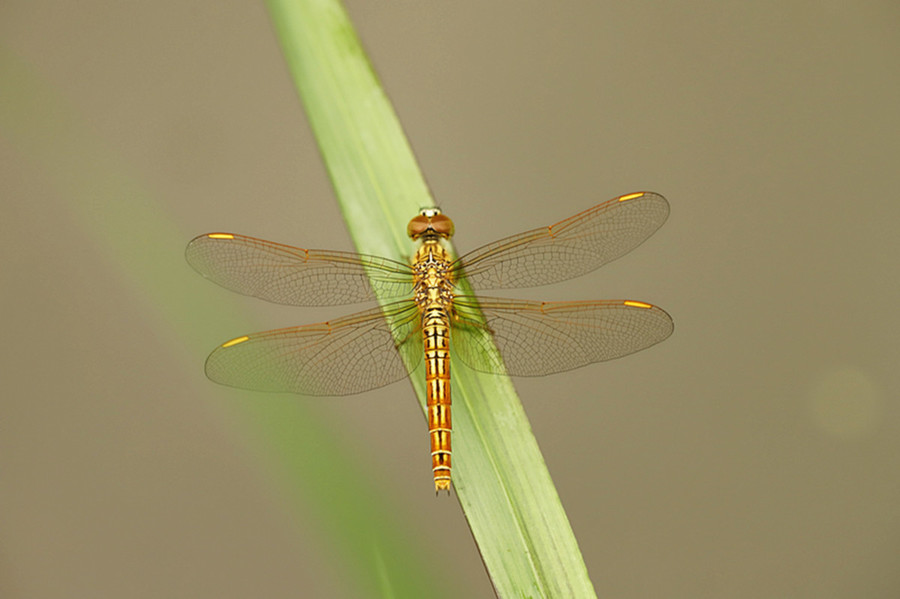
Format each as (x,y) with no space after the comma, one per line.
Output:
(430,223)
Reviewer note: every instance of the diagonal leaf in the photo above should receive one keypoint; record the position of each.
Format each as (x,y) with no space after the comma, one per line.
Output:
(500,477)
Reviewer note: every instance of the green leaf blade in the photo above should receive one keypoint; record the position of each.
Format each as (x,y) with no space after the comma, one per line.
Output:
(500,477)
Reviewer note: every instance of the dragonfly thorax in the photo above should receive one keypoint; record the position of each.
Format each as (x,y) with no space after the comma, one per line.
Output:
(433,283)
(430,223)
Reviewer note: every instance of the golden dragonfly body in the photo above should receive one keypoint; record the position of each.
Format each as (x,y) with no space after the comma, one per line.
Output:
(428,315)
(433,294)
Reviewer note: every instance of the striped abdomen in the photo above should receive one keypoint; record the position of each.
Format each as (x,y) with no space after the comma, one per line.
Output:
(436,334)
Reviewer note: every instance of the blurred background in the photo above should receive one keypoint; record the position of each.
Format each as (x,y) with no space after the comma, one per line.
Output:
(753,454)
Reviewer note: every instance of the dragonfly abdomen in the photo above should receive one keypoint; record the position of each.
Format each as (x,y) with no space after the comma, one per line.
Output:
(435,331)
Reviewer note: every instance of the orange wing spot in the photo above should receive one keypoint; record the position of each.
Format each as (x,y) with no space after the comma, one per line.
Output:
(220,236)
(634,304)
(235,341)
(631,196)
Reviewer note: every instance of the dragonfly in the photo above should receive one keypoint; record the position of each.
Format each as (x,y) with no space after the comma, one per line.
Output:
(426,312)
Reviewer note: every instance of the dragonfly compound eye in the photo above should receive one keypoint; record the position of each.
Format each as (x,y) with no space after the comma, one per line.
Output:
(442,225)
(430,222)
(417,227)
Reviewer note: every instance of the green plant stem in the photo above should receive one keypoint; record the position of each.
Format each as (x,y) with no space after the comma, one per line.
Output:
(503,485)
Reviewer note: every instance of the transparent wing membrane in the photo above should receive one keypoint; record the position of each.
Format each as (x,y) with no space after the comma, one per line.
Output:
(539,338)
(379,346)
(287,275)
(568,249)
(344,356)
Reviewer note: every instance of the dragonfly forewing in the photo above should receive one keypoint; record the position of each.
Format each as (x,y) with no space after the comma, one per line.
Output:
(568,249)
(288,275)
